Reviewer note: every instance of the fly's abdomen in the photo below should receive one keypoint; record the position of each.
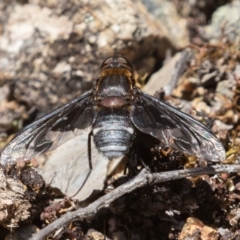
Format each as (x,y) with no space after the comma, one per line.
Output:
(113,133)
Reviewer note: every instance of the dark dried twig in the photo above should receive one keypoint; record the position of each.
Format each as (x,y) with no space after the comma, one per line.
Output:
(180,66)
(144,178)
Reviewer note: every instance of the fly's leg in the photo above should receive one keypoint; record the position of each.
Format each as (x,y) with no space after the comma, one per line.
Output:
(134,163)
(90,150)
(89,162)
(131,163)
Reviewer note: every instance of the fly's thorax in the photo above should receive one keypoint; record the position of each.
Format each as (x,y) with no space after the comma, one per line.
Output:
(113,133)
(114,91)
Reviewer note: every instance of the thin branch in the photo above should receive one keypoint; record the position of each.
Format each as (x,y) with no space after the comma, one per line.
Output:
(181,64)
(144,178)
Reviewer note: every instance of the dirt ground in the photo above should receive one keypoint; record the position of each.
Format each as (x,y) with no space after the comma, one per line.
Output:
(185,53)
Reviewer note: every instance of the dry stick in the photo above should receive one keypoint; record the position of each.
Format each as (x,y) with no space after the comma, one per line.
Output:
(179,68)
(142,179)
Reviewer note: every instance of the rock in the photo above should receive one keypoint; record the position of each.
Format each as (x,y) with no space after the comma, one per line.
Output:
(194,225)
(163,77)
(14,208)
(40,40)
(67,168)
(94,235)
(225,22)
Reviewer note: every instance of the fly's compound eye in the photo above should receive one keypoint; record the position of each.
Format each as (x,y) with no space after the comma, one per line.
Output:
(106,62)
(116,61)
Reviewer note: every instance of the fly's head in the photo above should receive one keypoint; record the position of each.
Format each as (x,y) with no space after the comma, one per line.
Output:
(114,89)
(116,65)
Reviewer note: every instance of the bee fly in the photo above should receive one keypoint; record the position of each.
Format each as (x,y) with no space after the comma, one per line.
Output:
(114,111)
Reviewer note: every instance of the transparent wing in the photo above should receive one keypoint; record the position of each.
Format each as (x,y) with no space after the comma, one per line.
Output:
(175,128)
(50,131)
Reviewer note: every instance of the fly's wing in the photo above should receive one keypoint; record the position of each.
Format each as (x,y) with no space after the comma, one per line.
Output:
(50,131)
(175,129)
